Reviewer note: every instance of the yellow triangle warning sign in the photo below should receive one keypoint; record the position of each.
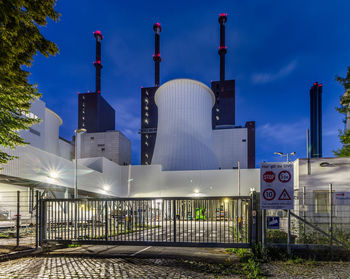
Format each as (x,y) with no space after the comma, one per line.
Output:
(284,196)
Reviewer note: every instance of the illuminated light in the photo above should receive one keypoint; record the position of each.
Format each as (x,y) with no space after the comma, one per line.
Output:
(141,86)
(223,14)
(320,85)
(99,91)
(97,62)
(159,201)
(157,27)
(226,200)
(222,47)
(146,155)
(196,191)
(106,187)
(315,83)
(54,174)
(98,33)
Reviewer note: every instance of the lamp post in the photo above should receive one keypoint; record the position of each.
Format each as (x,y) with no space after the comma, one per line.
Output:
(287,155)
(77,132)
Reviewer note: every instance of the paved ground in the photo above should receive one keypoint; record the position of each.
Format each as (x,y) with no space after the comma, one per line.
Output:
(308,269)
(124,262)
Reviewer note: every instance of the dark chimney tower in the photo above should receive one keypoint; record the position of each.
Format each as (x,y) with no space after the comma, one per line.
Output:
(316,120)
(156,56)
(222,48)
(97,63)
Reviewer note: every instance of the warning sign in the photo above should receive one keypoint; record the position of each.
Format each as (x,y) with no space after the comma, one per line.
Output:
(284,196)
(277,186)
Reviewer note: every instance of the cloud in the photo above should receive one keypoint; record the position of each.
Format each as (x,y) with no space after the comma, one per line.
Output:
(283,133)
(272,76)
(127,121)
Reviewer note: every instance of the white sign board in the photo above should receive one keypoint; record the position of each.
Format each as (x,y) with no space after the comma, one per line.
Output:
(276,186)
(341,198)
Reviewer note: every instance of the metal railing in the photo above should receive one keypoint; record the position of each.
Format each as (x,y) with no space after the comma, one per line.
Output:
(214,221)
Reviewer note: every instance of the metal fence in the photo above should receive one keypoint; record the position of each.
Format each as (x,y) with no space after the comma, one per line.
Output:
(18,215)
(217,221)
(321,216)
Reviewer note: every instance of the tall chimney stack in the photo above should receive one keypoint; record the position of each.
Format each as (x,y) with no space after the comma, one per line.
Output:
(156,56)
(97,62)
(222,48)
(316,120)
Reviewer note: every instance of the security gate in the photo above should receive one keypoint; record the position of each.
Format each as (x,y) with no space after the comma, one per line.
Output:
(198,222)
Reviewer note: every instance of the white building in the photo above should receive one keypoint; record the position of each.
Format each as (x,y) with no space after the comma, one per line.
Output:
(112,145)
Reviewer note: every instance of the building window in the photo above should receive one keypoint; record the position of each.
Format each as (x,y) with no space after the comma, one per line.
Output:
(100,145)
(146,120)
(83,97)
(322,205)
(147,136)
(146,143)
(146,155)
(217,109)
(244,140)
(35,132)
(147,93)
(83,124)
(146,100)
(146,107)
(146,114)
(83,111)
(92,138)
(217,117)
(102,149)
(83,118)
(83,105)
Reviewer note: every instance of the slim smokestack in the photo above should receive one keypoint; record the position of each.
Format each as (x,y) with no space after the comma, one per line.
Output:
(222,48)
(97,62)
(316,120)
(156,56)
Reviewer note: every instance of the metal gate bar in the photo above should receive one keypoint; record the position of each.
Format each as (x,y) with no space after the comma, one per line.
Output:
(207,221)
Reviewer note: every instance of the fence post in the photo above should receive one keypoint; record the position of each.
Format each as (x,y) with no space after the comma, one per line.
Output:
(174,213)
(18,218)
(331,219)
(36,219)
(253,224)
(289,250)
(263,227)
(106,220)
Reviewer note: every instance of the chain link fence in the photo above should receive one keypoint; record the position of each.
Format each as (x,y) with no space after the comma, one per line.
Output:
(324,217)
(18,215)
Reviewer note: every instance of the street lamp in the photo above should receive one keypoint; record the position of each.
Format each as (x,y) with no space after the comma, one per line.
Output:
(287,155)
(77,132)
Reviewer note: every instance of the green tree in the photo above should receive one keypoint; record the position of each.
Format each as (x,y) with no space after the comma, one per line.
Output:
(344,108)
(20,40)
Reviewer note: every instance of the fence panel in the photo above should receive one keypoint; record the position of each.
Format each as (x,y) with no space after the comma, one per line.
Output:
(218,221)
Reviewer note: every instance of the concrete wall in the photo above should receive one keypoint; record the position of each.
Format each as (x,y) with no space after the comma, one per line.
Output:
(112,145)
(231,146)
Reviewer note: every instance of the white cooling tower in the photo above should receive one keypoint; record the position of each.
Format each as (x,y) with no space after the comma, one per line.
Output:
(184,133)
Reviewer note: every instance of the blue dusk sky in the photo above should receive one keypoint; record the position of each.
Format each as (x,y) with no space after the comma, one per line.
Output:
(276,51)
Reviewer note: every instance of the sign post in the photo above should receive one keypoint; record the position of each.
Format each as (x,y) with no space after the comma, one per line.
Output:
(277,190)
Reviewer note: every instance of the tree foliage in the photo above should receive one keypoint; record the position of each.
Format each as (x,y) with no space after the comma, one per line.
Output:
(20,40)
(344,108)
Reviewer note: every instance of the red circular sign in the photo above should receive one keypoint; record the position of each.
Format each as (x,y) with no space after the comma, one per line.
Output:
(269,176)
(284,176)
(269,194)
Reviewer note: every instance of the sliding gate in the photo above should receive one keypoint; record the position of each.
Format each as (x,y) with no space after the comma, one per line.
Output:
(206,222)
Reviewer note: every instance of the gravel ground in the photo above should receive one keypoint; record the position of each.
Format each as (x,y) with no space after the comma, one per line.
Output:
(308,269)
(73,267)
